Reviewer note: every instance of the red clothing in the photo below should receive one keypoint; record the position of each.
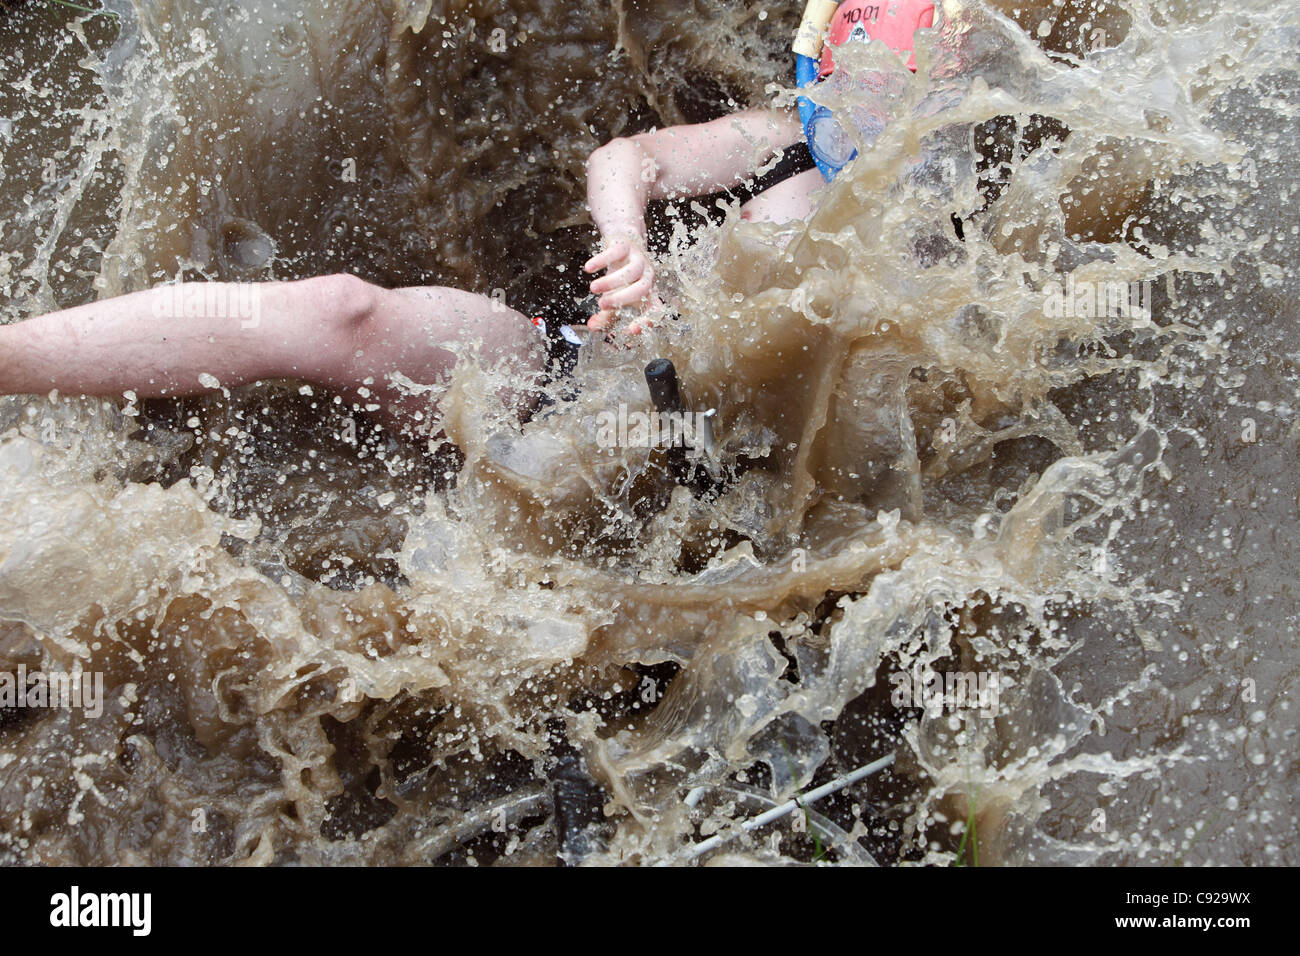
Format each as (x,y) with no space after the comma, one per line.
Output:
(891,22)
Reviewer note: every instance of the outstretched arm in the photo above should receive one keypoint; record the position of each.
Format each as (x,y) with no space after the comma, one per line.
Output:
(626,173)
(336,330)
(168,340)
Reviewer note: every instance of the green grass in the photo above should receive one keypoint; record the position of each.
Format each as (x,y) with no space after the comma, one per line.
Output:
(971,832)
(819,852)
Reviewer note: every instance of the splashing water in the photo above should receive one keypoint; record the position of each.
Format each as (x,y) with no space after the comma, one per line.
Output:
(1017,402)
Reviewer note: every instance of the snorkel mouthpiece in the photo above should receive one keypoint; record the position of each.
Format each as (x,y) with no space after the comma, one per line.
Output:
(829,144)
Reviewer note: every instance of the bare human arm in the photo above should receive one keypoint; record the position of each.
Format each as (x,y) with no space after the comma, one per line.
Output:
(627,173)
(336,330)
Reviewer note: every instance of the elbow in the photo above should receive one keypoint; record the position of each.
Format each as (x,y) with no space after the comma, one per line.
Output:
(603,154)
(352,299)
(620,153)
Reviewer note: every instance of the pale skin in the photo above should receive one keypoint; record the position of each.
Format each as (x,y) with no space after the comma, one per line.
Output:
(357,338)
(337,331)
(627,173)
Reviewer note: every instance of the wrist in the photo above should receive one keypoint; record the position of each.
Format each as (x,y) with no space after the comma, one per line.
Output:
(625,231)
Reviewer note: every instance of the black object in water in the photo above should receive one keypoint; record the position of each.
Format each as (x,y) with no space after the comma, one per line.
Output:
(687,447)
(578,800)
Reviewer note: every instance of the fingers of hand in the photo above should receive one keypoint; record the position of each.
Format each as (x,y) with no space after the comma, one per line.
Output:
(629,295)
(617,252)
(642,323)
(635,267)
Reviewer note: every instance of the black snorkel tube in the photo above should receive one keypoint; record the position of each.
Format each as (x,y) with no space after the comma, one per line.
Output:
(692,451)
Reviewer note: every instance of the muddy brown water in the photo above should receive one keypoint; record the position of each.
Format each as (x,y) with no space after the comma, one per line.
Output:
(321,645)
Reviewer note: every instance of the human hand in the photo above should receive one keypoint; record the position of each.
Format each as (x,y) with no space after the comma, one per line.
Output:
(629,281)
